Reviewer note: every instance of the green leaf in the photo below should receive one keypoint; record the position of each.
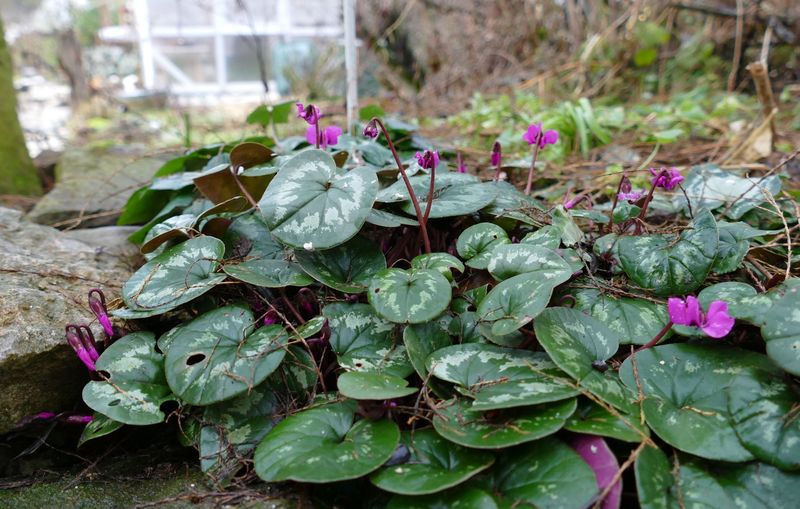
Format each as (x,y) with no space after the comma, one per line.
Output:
(219,355)
(511,260)
(265,262)
(667,265)
(496,378)
(781,328)
(653,478)
(361,340)
(312,204)
(232,429)
(516,301)
(135,387)
(571,233)
(348,268)
(592,419)
(734,244)
(100,426)
(685,400)
(323,444)
(576,342)
(636,320)
(547,236)
(433,466)
(763,410)
(421,340)
(546,473)
(708,186)
(178,275)
(645,57)
(380,217)
(275,113)
(373,386)
(409,296)
(455,194)
(476,243)
(441,262)
(457,498)
(456,421)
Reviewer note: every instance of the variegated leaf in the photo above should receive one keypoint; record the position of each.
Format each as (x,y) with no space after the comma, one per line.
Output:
(409,296)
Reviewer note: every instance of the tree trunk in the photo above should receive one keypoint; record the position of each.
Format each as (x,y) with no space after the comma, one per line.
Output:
(70,59)
(17,173)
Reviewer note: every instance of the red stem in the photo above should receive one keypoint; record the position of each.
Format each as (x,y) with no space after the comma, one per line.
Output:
(656,339)
(497,168)
(650,194)
(316,135)
(430,197)
(533,163)
(414,201)
(614,205)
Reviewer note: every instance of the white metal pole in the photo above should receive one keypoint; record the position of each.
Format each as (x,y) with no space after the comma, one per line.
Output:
(219,13)
(142,19)
(351,62)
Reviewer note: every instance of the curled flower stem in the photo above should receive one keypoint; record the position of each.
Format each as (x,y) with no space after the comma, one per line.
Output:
(658,337)
(614,204)
(414,201)
(533,164)
(429,201)
(649,198)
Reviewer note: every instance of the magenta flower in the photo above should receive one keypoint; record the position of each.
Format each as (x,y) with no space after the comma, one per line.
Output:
(428,159)
(535,135)
(371,129)
(631,196)
(716,322)
(328,136)
(75,340)
(462,168)
(310,113)
(666,178)
(97,303)
(497,153)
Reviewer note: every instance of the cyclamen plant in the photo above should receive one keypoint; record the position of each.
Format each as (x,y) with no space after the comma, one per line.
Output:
(350,323)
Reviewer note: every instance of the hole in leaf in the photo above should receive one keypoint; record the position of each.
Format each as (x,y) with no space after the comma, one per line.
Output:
(104,374)
(195,358)
(377,290)
(114,402)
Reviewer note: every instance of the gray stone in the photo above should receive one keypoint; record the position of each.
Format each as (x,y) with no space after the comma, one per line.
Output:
(93,185)
(44,278)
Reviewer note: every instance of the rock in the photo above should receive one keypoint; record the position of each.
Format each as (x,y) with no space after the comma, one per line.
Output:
(44,278)
(92,186)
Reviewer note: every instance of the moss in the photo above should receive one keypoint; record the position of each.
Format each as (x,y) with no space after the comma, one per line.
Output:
(17,173)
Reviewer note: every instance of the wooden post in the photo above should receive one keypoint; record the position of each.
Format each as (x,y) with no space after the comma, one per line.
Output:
(351,62)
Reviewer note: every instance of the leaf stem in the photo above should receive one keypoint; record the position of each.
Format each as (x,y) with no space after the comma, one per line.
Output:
(420,218)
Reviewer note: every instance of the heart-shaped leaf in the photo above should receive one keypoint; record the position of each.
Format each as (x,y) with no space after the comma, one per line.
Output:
(733,245)
(666,265)
(515,302)
(441,262)
(456,421)
(571,233)
(324,444)
(373,386)
(590,418)
(178,275)
(348,268)
(781,328)
(636,320)
(409,296)
(232,429)
(685,400)
(312,204)
(99,426)
(546,473)
(135,386)
(454,194)
(219,355)
(362,340)
(268,273)
(578,344)
(434,465)
(708,186)
(514,259)
(496,378)
(421,340)
(763,409)
(476,243)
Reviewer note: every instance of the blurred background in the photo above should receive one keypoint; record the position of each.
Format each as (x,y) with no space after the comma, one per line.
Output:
(139,76)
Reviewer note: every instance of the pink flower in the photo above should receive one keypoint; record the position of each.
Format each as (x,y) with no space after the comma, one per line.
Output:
(631,196)
(310,113)
(535,135)
(328,136)
(666,178)
(97,303)
(428,159)
(371,129)
(79,419)
(496,153)
(716,322)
